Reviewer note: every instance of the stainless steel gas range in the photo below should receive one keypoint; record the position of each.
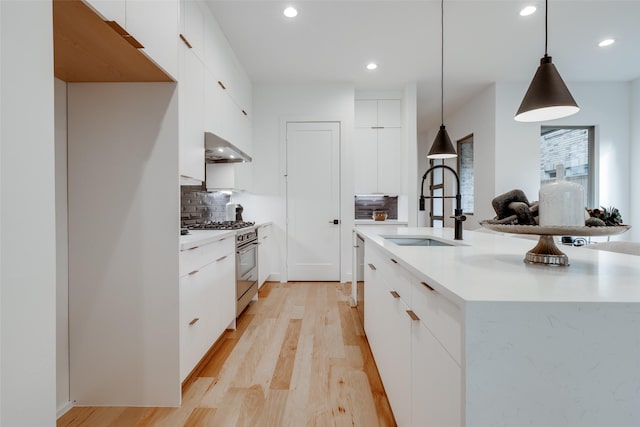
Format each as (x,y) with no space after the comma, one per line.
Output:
(246,258)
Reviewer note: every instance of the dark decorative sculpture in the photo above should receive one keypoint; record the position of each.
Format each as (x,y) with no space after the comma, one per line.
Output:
(513,207)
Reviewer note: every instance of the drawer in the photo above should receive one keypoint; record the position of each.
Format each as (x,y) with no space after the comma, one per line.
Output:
(199,256)
(441,316)
(264,232)
(207,307)
(390,273)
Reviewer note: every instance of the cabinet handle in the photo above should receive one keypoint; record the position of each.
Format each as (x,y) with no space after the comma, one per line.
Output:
(193,272)
(427,286)
(244,112)
(221,258)
(194,321)
(394,294)
(265,237)
(184,39)
(190,249)
(377,127)
(124,34)
(222,85)
(371,266)
(412,315)
(394,261)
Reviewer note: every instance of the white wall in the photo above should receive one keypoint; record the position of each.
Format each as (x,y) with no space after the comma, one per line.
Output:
(634,161)
(62,250)
(27,222)
(409,128)
(273,105)
(123,244)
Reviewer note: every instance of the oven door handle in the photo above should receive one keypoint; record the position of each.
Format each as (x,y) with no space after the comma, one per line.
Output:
(247,248)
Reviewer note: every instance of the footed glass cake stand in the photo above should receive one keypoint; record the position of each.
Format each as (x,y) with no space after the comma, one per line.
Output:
(546,252)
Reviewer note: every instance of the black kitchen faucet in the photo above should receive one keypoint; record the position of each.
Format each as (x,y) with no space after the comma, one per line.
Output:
(458,216)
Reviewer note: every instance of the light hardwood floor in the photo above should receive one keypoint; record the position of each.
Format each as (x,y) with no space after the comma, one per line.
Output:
(299,357)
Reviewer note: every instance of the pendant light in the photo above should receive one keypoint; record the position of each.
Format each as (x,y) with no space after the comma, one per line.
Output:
(547,97)
(442,147)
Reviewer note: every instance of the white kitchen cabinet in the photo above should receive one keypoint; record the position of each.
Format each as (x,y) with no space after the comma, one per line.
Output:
(229,176)
(110,10)
(191,115)
(207,299)
(265,253)
(421,378)
(192,16)
(378,147)
(388,328)
(435,381)
(155,25)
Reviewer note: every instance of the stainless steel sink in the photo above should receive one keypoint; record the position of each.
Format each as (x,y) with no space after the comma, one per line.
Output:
(416,241)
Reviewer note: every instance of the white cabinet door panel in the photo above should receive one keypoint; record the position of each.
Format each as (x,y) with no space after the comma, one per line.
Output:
(191,115)
(155,25)
(390,113)
(436,382)
(366,161)
(110,10)
(366,113)
(192,24)
(390,162)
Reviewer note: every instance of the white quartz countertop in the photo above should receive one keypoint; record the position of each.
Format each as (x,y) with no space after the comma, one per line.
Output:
(487,267)
(202,237)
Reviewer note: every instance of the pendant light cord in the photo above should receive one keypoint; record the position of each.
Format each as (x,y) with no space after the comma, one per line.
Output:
(442,62)
(546,31)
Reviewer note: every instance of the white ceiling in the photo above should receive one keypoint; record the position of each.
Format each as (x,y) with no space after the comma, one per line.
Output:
(485,41)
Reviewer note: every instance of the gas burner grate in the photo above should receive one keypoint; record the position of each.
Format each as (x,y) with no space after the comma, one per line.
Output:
(222,225)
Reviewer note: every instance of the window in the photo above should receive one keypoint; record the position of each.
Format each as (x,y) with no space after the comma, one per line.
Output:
(465,172)
(436,189)
(573,146)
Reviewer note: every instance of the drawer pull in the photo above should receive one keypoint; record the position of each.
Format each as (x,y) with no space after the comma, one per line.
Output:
(427,286)
(193,272)
(245,113)
(194,321)
(221,258)
(222,85)
(412,315)
(265,237)
(190,249)
(371,266)
(395,294)
(184,39)
(394,261)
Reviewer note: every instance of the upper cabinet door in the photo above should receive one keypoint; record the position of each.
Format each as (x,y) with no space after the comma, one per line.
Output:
(110,10)
(389,113)
(366,113)
(155,25)
(191,117)
(192,25)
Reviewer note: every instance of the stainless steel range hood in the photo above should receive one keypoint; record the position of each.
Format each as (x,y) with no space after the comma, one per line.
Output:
(218,150)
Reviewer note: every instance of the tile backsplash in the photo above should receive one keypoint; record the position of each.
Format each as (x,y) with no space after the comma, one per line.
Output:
(198,205)
(365,205)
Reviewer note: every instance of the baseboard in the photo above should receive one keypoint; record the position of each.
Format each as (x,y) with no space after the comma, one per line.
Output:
(64,409)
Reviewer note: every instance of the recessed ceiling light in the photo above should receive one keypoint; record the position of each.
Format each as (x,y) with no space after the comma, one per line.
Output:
(606,42)
(290,12)
(529,10)
(372,66)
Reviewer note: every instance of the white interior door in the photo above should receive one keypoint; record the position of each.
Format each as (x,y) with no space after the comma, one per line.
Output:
(313,201)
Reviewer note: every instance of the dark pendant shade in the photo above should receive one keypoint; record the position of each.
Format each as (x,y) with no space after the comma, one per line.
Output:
(442,147)
(547,97)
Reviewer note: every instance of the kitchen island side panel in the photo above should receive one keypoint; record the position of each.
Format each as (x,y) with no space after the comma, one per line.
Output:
(552,364)
(123,244)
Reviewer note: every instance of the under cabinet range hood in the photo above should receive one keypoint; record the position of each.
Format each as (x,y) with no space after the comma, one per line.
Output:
(218,150)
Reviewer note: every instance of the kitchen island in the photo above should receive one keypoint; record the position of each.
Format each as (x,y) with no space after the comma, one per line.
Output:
(470,335)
